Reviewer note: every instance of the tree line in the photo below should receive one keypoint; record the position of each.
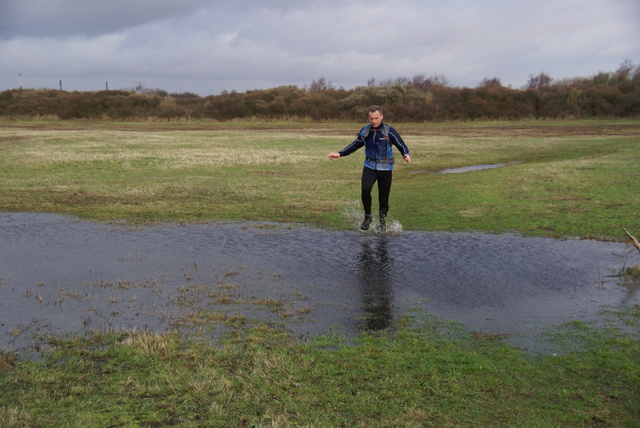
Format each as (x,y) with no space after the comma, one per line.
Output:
(419,98)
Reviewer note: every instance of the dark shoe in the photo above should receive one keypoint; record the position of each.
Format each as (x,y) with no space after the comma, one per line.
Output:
(366,222)
(383,221)
(383,216)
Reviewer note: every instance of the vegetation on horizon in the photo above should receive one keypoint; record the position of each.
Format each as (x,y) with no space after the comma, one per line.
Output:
(417,99)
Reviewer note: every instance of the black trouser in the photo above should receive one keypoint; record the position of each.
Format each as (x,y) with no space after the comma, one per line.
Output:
(369,177)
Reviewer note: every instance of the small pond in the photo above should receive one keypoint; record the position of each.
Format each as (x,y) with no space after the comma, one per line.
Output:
(59,274)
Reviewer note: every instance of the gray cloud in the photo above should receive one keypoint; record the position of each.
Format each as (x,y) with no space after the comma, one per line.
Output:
(206,46)
(62,18)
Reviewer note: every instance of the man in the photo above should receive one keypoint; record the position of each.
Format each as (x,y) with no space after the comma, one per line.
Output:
(378,140)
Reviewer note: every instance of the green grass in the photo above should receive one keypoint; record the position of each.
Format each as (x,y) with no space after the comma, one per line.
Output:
(571,179)
(422,376)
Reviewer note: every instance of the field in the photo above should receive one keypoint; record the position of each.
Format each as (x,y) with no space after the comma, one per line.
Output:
(563,179)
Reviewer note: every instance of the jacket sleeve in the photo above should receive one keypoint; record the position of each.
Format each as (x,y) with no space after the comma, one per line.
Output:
(357,143)
(397,141)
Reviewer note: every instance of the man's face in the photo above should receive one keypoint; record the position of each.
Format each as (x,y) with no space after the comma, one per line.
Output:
(375,118)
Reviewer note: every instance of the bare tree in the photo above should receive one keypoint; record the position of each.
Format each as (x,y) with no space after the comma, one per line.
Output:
(438,80)
(320,85)
(494,81)
(540,81)
(420,81)
(624,70)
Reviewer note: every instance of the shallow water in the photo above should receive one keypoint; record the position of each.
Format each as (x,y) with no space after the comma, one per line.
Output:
(475,168)
(469,168)
(58,275)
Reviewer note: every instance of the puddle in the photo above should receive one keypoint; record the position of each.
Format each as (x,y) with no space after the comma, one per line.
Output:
(469,168)
(61,275)
(475,168)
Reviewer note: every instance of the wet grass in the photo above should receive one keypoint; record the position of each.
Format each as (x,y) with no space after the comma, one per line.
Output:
(572,179)
(426,375)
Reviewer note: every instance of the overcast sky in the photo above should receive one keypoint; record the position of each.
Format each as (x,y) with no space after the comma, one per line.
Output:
(207,46)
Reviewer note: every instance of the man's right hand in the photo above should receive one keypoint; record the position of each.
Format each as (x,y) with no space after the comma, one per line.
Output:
(334,155)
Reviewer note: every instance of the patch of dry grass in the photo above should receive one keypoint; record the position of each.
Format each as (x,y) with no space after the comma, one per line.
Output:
(175,151)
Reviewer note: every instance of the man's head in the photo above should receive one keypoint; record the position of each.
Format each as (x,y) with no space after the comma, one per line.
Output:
(375,116)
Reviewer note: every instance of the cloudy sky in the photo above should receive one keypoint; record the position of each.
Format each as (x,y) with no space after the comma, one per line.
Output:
(207,46)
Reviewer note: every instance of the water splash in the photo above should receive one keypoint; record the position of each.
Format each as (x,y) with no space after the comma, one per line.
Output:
(353,212)
(393,228)
(354,215)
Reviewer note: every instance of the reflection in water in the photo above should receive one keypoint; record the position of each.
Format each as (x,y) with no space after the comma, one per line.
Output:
(374,281)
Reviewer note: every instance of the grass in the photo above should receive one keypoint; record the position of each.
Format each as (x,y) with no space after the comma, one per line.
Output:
(415,376)
(572,179)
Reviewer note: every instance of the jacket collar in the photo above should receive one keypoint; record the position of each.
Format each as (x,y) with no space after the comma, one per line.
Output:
(377,127)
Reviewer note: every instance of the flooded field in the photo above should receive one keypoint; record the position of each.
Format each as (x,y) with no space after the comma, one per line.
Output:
(59,275)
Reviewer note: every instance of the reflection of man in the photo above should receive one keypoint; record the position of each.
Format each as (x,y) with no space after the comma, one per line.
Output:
(378,140)
(374,266)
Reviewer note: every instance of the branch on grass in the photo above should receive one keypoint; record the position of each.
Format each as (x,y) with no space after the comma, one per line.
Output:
(633,238)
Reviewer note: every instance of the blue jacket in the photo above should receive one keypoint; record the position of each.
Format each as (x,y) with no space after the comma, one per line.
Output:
(378,144)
